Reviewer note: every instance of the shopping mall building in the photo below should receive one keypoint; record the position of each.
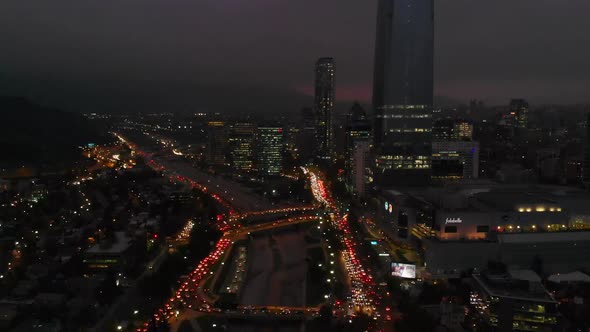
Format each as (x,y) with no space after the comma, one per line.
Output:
(464,226)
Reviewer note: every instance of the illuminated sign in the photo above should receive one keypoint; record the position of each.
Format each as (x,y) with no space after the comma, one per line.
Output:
(453,221)
(373,243)
(390,208)
(400,270)
(386,206)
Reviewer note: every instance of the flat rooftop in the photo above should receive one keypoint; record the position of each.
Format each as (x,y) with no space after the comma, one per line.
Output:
(549,237)
(491,196)
(575,276)
(118,246)
(507,286)
(506,200)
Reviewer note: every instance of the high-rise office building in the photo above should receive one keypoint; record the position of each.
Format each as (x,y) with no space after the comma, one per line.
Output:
(306,141)
(515,300)
(269,150)
(450,129)
(216,143)
(586,166)
(519,110)
(360,173)
(324,106)
(358,129)
(241,146)
(403,91)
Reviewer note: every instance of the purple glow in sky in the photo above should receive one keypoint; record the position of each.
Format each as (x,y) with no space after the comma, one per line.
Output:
(181,54)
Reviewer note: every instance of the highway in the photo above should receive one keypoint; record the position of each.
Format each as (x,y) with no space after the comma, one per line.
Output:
(192,294)
(362,282)
(240,197)
(364,296)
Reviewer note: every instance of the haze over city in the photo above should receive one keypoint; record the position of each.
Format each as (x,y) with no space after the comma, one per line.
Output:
(187,55)
(295,166)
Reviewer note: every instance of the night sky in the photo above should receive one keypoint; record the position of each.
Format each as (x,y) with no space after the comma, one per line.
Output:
(258,54)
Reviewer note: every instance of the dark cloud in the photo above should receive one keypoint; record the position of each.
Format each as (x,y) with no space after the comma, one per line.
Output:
(235,54)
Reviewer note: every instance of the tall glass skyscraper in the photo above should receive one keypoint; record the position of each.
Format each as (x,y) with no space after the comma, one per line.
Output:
(586,166)
(241,144)
(216,143)
(270,150)
(403,91)
(324,106)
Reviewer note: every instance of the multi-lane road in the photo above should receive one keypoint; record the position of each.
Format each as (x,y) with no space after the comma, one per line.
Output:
(240,203)
(365,296)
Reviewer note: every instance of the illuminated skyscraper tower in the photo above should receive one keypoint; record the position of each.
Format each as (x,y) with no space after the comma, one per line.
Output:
(403,91)
(324,106)
(586,166)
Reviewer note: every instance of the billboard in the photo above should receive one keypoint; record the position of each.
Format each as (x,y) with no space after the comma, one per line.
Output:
(388,207)
(400,270)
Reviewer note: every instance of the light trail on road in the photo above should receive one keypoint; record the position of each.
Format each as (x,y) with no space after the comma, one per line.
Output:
(188,295)
(181,296)
(363,285)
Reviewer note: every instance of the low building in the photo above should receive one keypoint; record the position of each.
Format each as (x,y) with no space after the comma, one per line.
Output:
(462,227)
(500,211)
(453,160)
(114,254)
(513,301)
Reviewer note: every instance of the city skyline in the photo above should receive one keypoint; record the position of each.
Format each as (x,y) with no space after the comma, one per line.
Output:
(146,60)
(211,179)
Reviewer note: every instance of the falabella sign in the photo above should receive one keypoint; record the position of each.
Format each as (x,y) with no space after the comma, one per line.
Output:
(453,221)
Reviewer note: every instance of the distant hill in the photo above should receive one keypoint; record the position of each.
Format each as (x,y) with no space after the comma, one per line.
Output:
(33,134)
